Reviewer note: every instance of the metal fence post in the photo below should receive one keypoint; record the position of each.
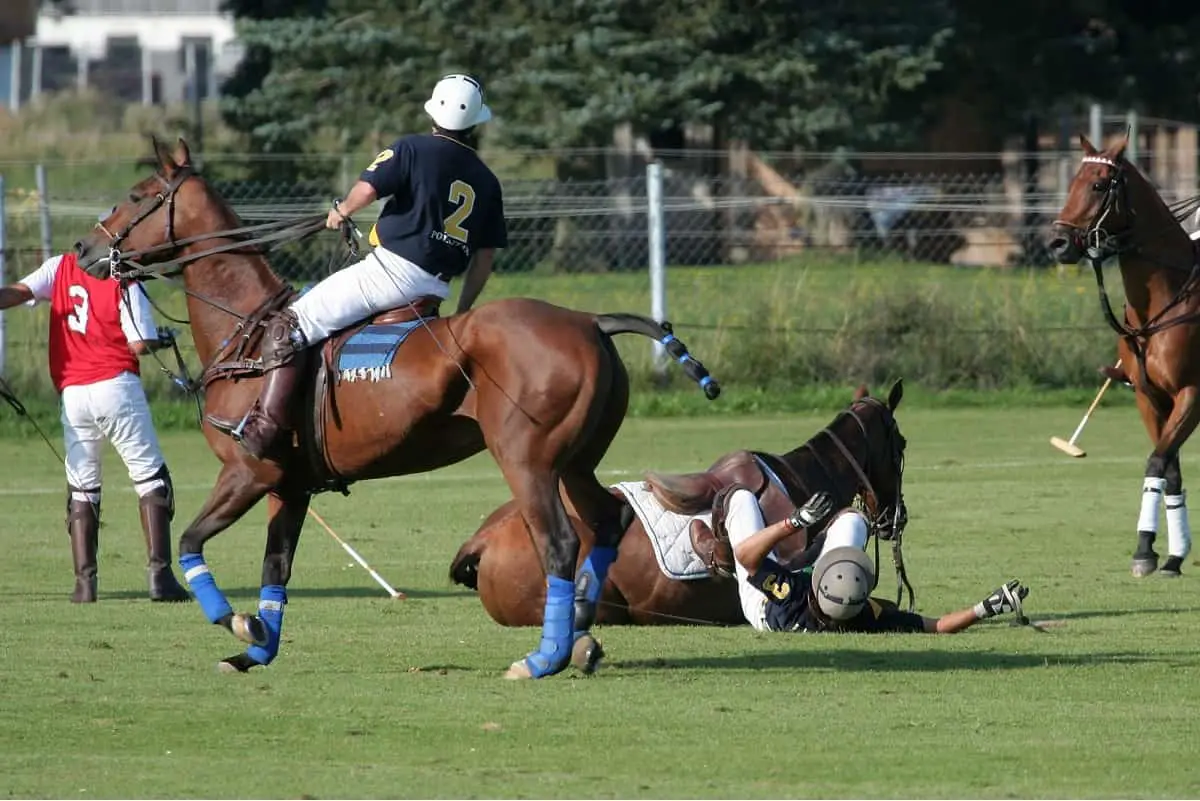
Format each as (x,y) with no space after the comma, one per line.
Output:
(1096,126)
(3,269)
(658,254)
(1131,122)
(44,210)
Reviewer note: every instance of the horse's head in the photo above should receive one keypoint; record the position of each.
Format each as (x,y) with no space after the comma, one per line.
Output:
(883,467)
(147,225)
(1096,217)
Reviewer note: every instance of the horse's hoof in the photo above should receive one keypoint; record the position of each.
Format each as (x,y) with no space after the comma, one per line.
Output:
(1169,574)
(1144,566)
(518,670)
(250,629)
(239,663)
(586,654)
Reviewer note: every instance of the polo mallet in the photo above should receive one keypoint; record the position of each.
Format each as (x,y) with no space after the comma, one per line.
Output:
(1068,446)
(392,591)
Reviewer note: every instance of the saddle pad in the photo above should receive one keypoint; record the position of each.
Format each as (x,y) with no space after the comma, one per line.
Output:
(668,533)
(368,353)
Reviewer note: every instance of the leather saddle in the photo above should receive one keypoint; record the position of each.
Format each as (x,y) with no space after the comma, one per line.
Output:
(696,493)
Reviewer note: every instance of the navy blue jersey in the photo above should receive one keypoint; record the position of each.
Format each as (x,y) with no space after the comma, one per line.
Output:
(789,605)
(444,205)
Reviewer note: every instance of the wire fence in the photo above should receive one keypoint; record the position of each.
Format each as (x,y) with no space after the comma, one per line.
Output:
(967,209)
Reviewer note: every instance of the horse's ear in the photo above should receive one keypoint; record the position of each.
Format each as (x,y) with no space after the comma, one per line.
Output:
(1088,148)
(1119,150)
(861,393)
(897,393)
(182,156)
(162,154)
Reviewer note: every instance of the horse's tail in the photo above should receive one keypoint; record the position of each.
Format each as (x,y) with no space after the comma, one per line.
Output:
(464,569)
(622,323)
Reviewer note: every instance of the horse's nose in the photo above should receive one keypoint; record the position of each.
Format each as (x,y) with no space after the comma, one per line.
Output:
(1063,245)
(78,247)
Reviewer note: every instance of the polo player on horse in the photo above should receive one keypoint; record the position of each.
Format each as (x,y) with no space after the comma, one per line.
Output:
(444,217)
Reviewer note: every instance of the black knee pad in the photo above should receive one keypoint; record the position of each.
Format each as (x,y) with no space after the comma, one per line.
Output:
(164,495)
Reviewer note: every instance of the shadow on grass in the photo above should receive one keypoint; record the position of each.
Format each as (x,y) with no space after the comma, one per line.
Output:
(902,661)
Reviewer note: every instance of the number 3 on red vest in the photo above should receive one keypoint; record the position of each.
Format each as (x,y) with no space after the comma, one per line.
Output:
(77,320)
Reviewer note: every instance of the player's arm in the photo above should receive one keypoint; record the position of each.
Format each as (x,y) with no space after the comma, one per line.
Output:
(137,322)
(384,176)
(1004,600)
(15,295)
(751,552)
(34,287)
(476,277)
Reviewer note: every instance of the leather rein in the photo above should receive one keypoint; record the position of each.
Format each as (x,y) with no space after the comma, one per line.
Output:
(128,265)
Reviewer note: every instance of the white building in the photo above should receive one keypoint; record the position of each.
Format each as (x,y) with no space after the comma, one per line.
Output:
(139,50)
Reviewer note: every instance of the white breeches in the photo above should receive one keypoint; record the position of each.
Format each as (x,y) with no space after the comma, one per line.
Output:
(743,518)
(379,282)
(114,409)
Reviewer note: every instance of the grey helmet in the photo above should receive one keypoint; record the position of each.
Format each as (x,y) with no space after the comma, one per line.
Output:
(842,580)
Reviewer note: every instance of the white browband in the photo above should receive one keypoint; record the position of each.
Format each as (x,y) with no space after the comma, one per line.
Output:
(1099,160)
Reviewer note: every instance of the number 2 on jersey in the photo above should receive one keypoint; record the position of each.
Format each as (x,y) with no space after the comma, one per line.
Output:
(77,320)
(463,194)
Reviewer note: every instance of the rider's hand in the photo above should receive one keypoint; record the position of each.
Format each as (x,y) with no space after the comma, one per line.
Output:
(334,220)
(1006,599)
(816,509)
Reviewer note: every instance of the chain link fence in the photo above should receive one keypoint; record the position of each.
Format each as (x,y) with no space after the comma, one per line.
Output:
(719,209)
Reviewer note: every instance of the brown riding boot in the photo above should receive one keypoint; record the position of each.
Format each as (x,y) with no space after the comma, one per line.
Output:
(83,526)
(284,354)
(271,416)
(155,508)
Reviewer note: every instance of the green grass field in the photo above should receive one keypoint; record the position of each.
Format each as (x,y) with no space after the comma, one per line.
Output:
(372,697)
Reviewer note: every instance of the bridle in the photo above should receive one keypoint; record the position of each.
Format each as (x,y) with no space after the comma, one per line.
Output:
(889,521)
(167,196)
(1099,242)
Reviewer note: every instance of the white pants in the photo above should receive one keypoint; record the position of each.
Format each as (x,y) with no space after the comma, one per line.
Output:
(115,409)
(743,519)
(379,282)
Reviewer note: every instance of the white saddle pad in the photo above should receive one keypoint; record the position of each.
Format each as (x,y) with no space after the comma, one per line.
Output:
(668,533)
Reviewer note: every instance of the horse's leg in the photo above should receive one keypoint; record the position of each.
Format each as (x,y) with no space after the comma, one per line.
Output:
(1145,559)
(604,513)
(235,492)
(1179,425)
(536,493)
(1179,532)
(285,512)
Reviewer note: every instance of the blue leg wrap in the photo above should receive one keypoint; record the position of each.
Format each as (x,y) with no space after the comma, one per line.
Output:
(554,651)
(204,587)
(595,571)
(591,582)
(271,601)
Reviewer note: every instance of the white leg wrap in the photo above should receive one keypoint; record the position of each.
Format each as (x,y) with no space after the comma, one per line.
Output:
(1179,533)
(848,530)
(1152,493)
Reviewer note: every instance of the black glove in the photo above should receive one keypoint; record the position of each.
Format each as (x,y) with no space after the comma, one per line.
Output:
(1006,599)
(166,336)
(816,509)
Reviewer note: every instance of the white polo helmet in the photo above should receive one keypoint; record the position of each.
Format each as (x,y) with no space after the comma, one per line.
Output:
(457,103)
(842,580)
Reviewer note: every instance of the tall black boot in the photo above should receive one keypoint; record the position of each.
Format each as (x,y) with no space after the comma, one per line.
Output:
(155,508)
(83,526)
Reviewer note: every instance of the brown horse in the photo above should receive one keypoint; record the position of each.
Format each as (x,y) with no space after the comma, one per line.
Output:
(860,452)
(1112,209)
(540,387)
